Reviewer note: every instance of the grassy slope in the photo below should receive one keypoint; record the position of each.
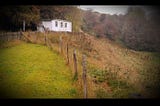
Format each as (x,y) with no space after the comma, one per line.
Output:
(133,72)
(30,70)
(140,69)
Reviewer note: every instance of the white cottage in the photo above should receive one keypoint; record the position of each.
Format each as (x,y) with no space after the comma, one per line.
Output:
(57,25)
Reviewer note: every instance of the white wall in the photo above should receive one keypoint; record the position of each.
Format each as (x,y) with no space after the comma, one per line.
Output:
(47,24)
(59,28)
(52,27)
(69,27)
(40,29)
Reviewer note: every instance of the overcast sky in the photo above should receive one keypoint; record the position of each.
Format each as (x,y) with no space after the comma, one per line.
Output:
(118,9)
(111,9)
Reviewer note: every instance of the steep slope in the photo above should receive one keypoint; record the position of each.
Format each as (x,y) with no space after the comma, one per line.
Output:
(113,70)
(140,69)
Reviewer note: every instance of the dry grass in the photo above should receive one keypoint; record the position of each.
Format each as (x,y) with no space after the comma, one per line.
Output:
(133,67)
(8,44)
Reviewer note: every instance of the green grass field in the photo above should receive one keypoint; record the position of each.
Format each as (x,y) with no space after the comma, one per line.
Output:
(34,71)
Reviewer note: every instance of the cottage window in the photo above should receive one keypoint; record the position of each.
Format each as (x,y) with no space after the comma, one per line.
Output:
(61,24)
(66,25)
(56,23)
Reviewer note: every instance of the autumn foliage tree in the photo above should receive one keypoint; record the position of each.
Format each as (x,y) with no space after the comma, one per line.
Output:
(139,32)
(12,17)
(138,29)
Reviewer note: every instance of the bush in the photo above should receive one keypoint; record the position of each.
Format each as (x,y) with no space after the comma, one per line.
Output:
(101,75)
(98,75)
(101,93)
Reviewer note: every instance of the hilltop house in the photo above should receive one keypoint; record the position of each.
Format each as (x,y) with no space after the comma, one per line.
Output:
(55,25)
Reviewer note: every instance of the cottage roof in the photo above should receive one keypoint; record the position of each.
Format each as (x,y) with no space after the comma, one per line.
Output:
(46,19)
(55,19)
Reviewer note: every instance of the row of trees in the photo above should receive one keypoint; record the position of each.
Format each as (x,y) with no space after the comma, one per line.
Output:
(141,29)
(138,29)
(12,17)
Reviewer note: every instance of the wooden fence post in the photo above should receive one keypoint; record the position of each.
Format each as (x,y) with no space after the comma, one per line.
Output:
(84,75)
(75,65)
(7,36)
(23,25)
(67,55)
(60,44)
(18,35)
(21,34)
(45,39)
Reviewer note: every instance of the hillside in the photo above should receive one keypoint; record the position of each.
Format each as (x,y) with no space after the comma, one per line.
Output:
(122,52)
(113,70)
(138,29)
(140,69)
